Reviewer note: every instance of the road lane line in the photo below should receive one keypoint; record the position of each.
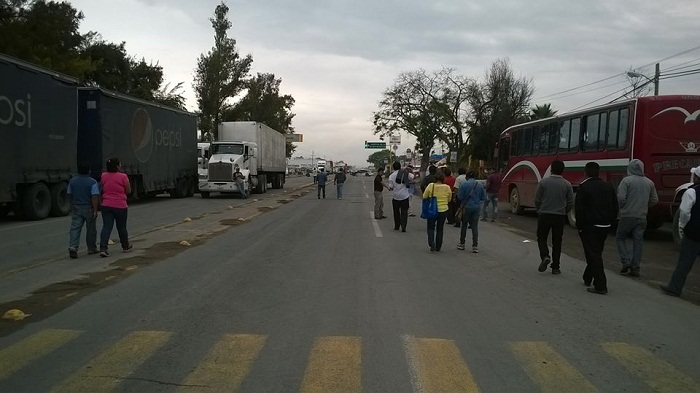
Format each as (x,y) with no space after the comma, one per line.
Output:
(227,365)
(660,375)
(375,224)
(436,365)
(105,372)
(18,355)
(335,365)
(549,370)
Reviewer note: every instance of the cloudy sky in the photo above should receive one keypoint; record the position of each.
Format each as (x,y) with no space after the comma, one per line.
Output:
(336,57)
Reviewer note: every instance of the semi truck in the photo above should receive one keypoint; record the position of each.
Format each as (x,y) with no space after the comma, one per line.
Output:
(258,151)
(48,123)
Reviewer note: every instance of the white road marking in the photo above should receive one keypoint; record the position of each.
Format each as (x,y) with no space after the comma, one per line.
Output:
(377,231)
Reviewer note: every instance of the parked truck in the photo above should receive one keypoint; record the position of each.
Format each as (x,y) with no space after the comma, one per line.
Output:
(256,149)
(48,124)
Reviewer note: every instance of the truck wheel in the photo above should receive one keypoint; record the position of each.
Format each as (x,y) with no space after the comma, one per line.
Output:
(514,200)
(191,187)
(36,202)
(60,204)
(204,194)
(264,183)
(180,190)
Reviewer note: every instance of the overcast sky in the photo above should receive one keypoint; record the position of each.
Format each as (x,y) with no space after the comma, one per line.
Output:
(337,57)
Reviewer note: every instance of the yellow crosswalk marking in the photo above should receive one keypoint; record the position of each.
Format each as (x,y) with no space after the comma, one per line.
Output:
(106,371)
(657,373)
(437,366)
(548,369)
(32,348)
(334,365)
(227,364)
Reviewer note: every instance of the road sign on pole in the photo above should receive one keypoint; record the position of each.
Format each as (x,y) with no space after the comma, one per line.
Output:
(375,145)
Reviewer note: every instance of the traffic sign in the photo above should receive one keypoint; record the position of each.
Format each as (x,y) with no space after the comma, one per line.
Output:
(375,145)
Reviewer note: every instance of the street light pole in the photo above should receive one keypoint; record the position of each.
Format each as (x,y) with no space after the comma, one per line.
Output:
(655,81)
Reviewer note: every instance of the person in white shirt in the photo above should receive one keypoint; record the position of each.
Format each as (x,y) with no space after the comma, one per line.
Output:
(689,228)
(398,183)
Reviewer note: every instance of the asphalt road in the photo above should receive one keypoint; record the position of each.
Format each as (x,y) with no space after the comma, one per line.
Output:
(293,293)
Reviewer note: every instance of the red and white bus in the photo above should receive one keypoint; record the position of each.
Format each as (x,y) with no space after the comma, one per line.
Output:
(661,131)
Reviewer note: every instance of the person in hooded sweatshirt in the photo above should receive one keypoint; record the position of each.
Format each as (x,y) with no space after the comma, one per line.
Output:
(635,195)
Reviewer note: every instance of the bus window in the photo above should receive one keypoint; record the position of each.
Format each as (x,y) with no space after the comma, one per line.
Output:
(503,154)
(575,134)
(553,138)
(624,124)
(535,140)
(613,129)
(603,127)
(590,134)
(515,139)
(527,142)
(564,130)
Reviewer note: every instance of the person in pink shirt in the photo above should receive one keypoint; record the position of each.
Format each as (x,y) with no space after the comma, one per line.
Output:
(115,188)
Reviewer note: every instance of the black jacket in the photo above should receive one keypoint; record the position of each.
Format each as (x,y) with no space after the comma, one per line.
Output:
(596,203)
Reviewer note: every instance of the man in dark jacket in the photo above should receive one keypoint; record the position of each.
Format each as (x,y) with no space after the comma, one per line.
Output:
(596,210)
(430,178)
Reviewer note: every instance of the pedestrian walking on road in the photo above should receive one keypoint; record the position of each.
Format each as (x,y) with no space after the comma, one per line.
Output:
(321,179)
(493,186)
(596,210)
(430,178)
(554,199)
(115,188)
(689,228)
(398,183)
(315,175)
(379,187)
(451,208)
(443,193)
(471,196)
(461,178)
(83,193)
(635,194)
(339,181)
(411,190)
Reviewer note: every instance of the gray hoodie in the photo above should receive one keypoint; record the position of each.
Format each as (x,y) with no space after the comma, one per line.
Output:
(636,193)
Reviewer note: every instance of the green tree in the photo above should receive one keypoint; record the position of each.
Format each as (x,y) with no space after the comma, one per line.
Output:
(498,102)
(542,112)
(220,74)
(171,96)
(377,158)
(264,103)
(45,33)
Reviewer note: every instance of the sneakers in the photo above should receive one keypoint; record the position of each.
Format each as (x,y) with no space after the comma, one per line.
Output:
(92,252)
(633,273)
(556,271)
(668,291)
(475,250)
(543,265)
(460,246)
(483,219)
(104,254)
(410,214)
(128,249)
(73,254)
(625,269)
(597,291)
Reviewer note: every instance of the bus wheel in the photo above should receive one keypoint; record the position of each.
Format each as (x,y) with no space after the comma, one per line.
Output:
(674,227)
(515,206)
(571,216)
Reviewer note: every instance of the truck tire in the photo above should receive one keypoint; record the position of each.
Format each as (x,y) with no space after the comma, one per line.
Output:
(180,190)
(259,188)
(191,187)
(205,194)
(514,200)
(36,202)
(264,183)
(60,204)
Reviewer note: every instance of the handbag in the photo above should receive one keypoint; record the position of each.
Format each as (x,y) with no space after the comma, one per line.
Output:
(429,208)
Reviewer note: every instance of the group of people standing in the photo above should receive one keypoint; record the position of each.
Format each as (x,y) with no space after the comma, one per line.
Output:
(87,196)
(460,200)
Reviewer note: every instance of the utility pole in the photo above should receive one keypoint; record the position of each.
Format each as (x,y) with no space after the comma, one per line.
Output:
(657,73)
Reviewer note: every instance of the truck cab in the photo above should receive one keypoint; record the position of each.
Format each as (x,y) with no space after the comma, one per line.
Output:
(225,157)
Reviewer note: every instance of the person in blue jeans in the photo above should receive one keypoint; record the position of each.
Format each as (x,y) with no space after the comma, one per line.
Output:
(493,186)
(471,195)
(635,195)
(321,179)
(339,181)
(83,193)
